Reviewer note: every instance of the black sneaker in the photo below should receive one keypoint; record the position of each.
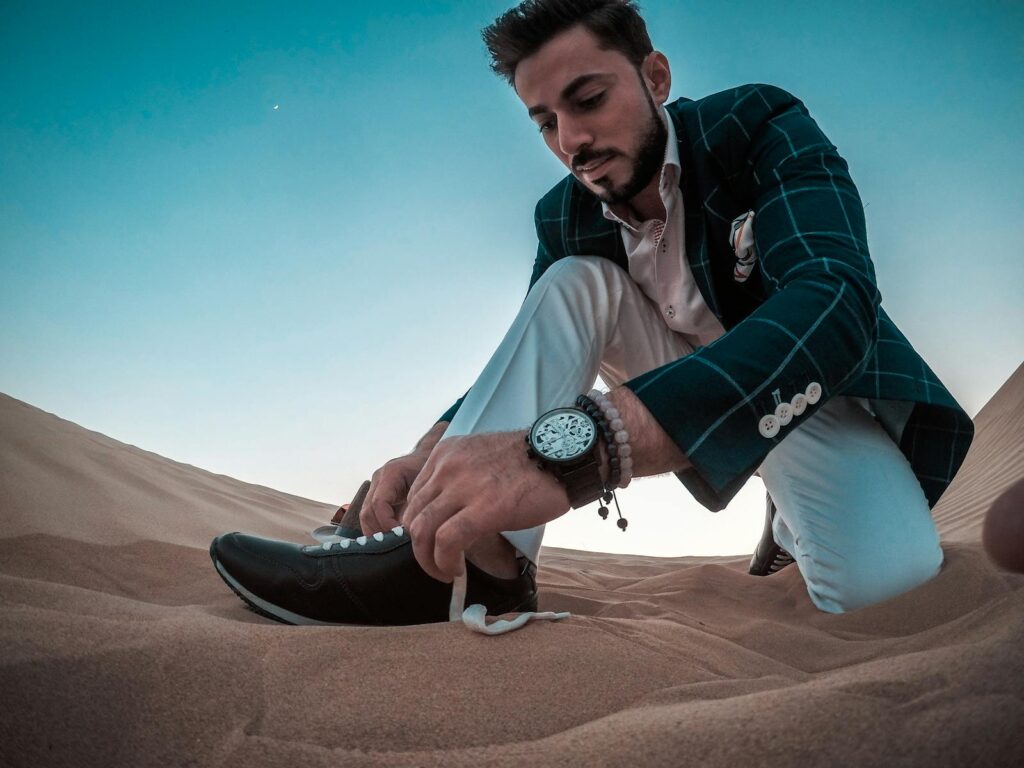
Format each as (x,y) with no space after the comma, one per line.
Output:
(768,557)
(366,580)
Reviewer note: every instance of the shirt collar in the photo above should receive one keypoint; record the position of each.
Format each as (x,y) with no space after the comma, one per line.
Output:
(670,174)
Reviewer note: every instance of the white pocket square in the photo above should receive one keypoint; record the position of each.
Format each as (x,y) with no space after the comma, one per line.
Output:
(741,238)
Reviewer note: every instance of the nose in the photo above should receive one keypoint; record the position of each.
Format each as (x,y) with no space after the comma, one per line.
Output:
(573,135)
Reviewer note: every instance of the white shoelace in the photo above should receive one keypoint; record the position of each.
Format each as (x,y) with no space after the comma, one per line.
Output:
(473,617)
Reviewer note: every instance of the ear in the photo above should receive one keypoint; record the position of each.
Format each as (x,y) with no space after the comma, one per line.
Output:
(658,76)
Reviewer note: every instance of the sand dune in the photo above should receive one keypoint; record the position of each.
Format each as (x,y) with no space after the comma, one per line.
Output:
(122,647)
(995,460)
(63,480)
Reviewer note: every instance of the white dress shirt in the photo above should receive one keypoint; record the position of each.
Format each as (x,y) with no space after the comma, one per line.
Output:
(657,255)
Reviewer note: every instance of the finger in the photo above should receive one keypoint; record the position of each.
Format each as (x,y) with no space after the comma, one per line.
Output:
(367,520)
(383,507)
(424,476)
(414,507)
(378,512)
(452,540)
(422,533)
(419,497)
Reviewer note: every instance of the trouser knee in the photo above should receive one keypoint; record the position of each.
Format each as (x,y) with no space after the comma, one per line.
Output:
(862,581)
(574,274)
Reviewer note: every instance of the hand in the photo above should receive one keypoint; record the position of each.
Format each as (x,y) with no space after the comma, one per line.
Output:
(473,486)
(389,486)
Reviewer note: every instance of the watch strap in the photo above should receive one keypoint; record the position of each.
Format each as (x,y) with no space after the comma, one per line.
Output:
(583,483)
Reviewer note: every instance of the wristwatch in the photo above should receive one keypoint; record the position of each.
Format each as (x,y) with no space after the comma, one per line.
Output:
(564,441)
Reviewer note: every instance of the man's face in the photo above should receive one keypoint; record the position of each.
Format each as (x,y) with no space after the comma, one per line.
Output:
(595,112)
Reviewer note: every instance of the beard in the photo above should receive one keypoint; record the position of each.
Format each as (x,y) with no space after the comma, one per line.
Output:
(650,156)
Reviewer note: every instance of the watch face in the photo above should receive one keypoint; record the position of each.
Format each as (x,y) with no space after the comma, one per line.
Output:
(563,434)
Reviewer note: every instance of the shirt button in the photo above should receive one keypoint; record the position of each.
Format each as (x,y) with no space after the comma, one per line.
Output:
(769,426)
(799,403)
(813,392)
(784,413)
(670,311)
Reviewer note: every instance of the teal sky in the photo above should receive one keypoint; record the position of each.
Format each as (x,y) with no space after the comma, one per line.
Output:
(292,295)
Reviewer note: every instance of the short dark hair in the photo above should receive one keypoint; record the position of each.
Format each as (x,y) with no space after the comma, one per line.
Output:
(521,31)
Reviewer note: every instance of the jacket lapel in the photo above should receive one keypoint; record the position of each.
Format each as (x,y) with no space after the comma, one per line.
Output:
(587,231)
(697,253)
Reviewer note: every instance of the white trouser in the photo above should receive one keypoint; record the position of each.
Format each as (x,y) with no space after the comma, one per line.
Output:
(850,509)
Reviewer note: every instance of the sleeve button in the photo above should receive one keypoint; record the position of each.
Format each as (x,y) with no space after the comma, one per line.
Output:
(784,413)
(769,426)
(799,403)
(813,392)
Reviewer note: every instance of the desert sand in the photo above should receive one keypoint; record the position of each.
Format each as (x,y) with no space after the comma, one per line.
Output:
(121,646)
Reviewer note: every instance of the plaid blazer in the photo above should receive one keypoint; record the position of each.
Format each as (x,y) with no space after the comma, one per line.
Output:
(809,313)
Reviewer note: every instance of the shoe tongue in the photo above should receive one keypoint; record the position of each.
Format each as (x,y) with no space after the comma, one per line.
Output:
(347,515)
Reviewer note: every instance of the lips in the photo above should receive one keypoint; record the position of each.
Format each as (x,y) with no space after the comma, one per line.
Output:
(594,167)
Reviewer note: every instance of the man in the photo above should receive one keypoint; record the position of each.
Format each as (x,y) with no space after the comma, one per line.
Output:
(709,259)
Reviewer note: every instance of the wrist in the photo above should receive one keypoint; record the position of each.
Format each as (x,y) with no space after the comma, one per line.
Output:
(527,462)
(653,451)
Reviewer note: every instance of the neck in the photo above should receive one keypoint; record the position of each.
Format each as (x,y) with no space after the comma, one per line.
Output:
(648,203)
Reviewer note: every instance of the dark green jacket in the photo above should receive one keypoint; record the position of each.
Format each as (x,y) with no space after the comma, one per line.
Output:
(809,313)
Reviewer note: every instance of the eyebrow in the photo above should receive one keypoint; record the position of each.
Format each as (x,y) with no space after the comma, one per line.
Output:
(569,91)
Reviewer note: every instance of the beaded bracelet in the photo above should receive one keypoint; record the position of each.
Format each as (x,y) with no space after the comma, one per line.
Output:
(621,448)
(594,410)
(614,476)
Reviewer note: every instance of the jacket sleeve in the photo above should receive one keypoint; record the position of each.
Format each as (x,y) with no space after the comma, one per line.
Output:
(541,263)
(818,324)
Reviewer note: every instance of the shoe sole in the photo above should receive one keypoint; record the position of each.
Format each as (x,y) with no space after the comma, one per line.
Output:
(778,559)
